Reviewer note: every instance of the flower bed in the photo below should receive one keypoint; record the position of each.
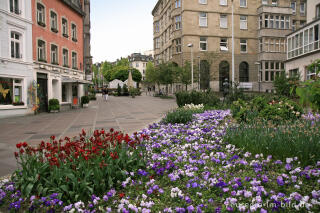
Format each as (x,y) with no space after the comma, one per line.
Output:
(191,169)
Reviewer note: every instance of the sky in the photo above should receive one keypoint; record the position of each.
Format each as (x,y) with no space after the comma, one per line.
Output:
(120,27)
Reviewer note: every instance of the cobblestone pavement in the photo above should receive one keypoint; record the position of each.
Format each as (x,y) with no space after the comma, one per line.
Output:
(121,113)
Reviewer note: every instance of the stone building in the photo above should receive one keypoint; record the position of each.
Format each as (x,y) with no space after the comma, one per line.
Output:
(58,51)
(139,62)
(205,29)
(304,44)
(15,57)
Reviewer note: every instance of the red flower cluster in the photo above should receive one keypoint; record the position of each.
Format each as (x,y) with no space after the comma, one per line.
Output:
(101,143)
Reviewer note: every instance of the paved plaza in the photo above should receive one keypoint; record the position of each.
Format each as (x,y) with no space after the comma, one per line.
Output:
(121,113)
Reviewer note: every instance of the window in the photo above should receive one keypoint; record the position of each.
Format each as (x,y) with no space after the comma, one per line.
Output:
(10,91)
(202,1)
(293,6)
(243,45)
(223,44)
(157,43)
(74,32)
(303,9)
(203,44)
(14,7)
(243,3)
(271,25)
(264,2)
(137,64)
(277,22)
(318,11)
(274,2)
(260,22)
(54,54)
(287,22)
(178,45)
(15,45)
(65,27)
(157,26)
(243,22)
(266,75)
(244,72)
(178,3)
(41,15)
(203,21)
(41,51)
(74,60)
(223,21)
(223,2)
(282,22)
(53,21)
(178,22)
(65,57)
(311,74)
(266,21)
(294,73)
(302,23)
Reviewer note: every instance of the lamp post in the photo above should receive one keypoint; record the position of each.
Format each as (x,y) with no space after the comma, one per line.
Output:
(199,74)
(232,43)
(191,46)
(259,75)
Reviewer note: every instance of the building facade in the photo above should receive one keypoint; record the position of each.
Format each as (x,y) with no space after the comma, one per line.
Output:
(205,29)
(304,44)
(87,38)
(139,62)
(58,51)
(15,57)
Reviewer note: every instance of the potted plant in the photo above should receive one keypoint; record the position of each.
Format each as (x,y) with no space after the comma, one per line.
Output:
(54,105)
(20,103)
(85,101)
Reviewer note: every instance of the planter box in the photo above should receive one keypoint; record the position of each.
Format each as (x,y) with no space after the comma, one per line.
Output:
(85,105)
(54,111)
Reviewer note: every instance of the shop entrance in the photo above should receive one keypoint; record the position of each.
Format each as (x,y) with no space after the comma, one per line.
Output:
(42,92)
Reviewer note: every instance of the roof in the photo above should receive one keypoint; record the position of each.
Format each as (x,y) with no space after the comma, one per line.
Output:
(156,7)
(75,5)
(139,57)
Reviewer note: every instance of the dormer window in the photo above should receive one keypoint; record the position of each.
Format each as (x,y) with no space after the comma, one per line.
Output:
(14,7)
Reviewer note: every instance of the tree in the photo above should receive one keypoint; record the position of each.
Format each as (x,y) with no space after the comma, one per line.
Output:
(185,74)
(95,71)
(309,91)
(136,75)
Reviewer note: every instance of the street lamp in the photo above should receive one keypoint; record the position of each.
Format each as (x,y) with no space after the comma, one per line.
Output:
(199,74)
(191,46)
(259,74)
(232,43)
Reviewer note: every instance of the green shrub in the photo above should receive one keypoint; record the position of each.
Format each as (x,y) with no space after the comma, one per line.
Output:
(85,100)
(178,116)
(134,91)
(285,86)
(298,139)
(125,90)
(195,97)
(54,104)
(119,90)
(92,97)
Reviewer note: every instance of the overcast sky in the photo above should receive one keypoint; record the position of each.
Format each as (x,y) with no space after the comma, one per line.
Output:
(120,27)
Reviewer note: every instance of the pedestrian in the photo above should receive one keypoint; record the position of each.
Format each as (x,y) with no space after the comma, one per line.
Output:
(103,94)
(225,86)
(106,94)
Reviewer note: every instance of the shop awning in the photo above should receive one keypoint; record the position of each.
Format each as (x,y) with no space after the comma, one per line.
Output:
(76,81)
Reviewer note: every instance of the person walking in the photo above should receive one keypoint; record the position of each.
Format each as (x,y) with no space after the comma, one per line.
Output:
(106,94)
(103,93)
